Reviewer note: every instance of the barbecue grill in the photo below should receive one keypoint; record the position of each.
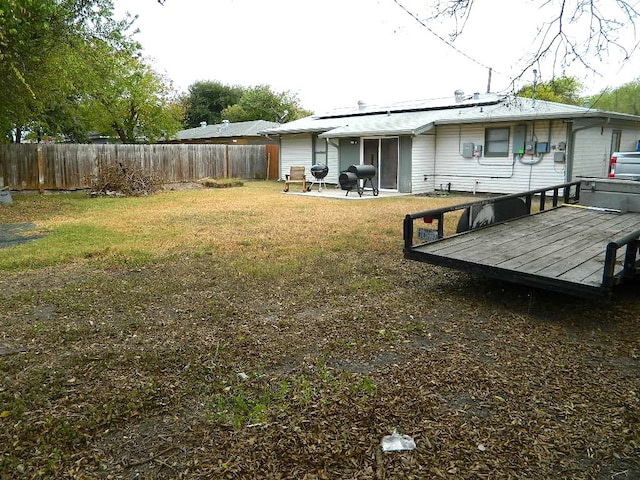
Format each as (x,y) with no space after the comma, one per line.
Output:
(319,172)
(356,177)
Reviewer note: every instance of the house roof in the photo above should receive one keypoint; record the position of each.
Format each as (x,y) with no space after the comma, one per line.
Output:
(415,118)
(226,129)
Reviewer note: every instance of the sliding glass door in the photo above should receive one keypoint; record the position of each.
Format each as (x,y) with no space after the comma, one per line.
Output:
(382,153)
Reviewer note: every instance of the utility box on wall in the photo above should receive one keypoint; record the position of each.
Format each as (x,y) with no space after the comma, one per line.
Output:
(542,147)
(519,137)
(530,147)
(468,149)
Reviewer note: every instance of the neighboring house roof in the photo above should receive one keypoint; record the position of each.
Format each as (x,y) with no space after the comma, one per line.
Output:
(226,129)
(414,118)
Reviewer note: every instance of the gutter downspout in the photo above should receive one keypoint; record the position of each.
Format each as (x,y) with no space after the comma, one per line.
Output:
(571,136)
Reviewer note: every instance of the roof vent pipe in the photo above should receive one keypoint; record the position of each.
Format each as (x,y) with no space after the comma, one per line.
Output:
(476,96)
(459,94)
(361,105)
(203,124)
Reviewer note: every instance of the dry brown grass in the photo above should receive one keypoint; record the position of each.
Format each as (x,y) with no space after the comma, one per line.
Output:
(251,219)
(244,333)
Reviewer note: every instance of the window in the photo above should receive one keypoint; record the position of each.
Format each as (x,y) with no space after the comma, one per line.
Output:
(496,142)
(319,151)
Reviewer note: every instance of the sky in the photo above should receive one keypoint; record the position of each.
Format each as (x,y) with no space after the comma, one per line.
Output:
(335,53)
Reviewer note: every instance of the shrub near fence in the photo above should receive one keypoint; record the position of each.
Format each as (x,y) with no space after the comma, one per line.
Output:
(71,167)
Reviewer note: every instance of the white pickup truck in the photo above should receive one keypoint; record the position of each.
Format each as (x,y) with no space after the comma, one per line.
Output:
(625,166)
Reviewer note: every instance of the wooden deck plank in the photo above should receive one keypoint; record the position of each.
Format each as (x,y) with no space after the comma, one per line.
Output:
(507,241)
(534,240)
(572,248)
(589,271)
(592,268)
(502,234)
(595,243)
(564,245)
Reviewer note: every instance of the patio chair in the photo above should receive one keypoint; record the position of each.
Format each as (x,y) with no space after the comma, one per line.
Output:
(295,175)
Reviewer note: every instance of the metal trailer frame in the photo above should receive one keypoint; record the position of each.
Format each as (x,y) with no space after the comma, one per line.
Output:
(615,259)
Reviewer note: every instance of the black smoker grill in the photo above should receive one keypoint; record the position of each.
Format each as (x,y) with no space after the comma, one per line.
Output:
(356,177)
(318,172)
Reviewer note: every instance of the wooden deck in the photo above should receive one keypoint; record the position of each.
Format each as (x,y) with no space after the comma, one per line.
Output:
(561,249)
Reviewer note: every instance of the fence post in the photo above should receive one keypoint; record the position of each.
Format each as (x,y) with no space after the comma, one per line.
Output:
(268,162)
(40,162)
(226,161)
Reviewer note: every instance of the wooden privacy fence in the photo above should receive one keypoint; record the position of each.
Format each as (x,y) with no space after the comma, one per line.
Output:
(70,167)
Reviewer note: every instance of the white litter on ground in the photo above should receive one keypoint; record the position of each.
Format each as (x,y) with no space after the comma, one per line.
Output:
(397,442)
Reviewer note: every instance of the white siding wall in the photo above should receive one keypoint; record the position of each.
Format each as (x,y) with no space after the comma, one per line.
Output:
(332,163)
(495,174)
(423,157)
(592,149)
(295,150)
(591,152)
(630,138)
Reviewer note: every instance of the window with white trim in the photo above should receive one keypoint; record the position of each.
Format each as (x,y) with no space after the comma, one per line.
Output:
(319,151)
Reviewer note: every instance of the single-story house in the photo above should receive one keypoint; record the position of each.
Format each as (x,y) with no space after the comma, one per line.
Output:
(229,133)
(477,143)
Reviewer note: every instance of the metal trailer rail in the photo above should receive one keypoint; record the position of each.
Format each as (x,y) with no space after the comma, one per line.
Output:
(563,246)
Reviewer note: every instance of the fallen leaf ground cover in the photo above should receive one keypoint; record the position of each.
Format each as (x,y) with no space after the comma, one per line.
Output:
(245,333)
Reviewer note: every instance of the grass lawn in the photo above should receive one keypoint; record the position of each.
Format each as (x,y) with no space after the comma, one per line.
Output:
(244,333)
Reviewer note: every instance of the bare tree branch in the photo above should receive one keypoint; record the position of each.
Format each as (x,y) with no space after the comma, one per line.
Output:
(580,31)
(459,10)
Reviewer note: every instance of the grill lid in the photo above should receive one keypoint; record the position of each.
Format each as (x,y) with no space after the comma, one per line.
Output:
(363,170)
(319,171)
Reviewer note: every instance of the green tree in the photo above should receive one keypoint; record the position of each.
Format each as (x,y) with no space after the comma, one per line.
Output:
(67,66)
(624,99)
(125,97)
(206,100)
(261,103)
(30,32)
(560,90)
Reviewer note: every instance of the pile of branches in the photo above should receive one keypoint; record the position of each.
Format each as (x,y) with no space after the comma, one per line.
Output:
(126,180)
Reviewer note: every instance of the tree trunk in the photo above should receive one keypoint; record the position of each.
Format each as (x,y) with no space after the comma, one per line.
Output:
(120,132)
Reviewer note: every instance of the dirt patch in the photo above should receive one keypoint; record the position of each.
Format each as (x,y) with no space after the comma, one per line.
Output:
(17,233)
